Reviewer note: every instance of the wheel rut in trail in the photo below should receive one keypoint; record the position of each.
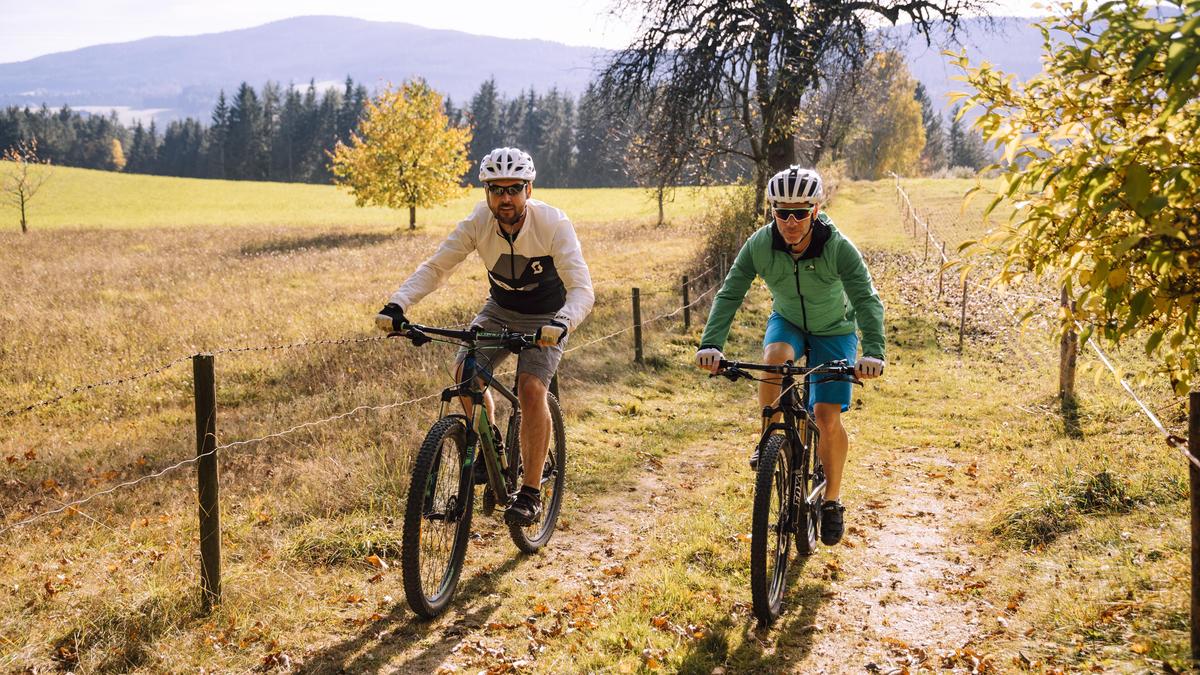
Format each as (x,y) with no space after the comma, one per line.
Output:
(900,595)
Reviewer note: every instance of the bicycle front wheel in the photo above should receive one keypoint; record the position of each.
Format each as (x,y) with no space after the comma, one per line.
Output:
(770,528)
(530,539)
(437,520)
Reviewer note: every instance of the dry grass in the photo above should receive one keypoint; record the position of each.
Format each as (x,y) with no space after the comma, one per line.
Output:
(113,588)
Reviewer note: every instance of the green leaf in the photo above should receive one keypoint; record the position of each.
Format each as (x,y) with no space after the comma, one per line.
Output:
(1144,59)
(1154,340)
(1137,184)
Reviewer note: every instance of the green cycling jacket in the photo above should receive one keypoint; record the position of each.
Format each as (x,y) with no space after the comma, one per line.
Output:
(826,291)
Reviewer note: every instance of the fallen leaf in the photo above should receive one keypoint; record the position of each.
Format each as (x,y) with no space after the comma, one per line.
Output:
(377,562)
(1140,647)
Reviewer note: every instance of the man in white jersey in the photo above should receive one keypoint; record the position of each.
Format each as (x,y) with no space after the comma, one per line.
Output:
(539,284)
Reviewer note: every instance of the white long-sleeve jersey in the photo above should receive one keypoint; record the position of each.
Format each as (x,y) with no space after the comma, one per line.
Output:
(540,270)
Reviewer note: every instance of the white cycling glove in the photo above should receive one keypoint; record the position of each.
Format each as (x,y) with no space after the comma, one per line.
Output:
(868,367)
(709,359)
(550,334)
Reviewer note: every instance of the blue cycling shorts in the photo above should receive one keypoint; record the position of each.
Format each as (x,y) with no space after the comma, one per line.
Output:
(821,349)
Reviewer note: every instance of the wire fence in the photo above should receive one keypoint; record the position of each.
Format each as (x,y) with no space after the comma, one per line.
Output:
(911,215)
(72,506)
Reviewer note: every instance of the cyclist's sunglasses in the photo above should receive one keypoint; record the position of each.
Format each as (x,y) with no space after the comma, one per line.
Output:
(798,214)
(511,190)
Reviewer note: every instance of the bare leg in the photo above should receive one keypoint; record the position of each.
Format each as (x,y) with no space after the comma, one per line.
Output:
(768,390)
(535,427)
(833,447)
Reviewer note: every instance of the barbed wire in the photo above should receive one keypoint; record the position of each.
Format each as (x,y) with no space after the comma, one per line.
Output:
(174,362)
(312,423)
(94,385)
(645,322)
(1173,440)
(193,460)
(296,345)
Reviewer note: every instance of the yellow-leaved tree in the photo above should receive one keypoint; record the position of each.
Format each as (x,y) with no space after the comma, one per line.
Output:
(405,152)
(890,132)
(1103,168)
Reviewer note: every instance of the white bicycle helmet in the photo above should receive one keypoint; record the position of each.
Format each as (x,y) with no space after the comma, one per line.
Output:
(507,163)
(795,185)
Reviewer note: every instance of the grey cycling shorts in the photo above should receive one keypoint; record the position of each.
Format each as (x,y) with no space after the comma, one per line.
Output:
(541,362)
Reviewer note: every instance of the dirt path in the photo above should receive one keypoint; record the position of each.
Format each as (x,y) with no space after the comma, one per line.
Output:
(901,587)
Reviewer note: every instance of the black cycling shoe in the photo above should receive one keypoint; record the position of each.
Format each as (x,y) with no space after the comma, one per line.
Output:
(525,509)
(832,522)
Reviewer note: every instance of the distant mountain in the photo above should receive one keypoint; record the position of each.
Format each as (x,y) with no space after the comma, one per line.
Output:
(182,75)
(172,77)
(1011,43)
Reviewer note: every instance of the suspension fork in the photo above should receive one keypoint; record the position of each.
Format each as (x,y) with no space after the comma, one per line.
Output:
(489,451)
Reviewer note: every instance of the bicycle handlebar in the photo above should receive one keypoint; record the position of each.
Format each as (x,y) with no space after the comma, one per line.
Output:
(734,370)
(420,335)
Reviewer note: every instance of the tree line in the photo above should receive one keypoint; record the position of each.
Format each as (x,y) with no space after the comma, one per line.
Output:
(287,134)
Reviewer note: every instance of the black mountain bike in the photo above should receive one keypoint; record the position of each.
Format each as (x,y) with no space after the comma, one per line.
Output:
(437,519)
(790,486)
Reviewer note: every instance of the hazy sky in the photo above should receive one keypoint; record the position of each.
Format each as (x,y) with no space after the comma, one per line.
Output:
(29,29)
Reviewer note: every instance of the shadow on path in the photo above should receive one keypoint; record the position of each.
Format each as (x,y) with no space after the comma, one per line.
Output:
(765,650)
(383,640)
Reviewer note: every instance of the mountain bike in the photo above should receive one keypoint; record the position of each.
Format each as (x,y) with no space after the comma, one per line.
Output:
(437,517)
(789,487)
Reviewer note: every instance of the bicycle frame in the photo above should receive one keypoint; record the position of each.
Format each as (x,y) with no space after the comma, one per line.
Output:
(479,430)
(794,425)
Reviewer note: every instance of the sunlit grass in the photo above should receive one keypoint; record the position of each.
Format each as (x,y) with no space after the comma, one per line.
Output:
(104,199)
(114,587)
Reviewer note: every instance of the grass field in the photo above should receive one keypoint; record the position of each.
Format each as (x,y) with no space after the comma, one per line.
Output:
(82,198)
(1069,529)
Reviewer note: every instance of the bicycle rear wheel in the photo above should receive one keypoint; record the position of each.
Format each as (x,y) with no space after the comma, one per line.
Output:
(530,539)
(770,528)
(437,519)
(812,495)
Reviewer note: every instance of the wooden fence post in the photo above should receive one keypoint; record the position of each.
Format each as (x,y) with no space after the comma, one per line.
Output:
(941,270)
(1194,485)
(1067,355)
(204,383)
(926,259)
(687,308)
(962,320)
(637,326)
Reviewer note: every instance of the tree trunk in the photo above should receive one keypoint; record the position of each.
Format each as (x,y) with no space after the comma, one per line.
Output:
(24,226)
(781,153)
(660,205)
(412,217)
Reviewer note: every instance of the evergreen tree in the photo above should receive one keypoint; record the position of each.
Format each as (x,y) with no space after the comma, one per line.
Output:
(484,115)
(272,102)
(218,138)
(555,155)
(934,156)
(601,142)
(246,150)
(966,145)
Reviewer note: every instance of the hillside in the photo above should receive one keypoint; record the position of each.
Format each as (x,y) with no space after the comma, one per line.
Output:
(184,74)
(181,76)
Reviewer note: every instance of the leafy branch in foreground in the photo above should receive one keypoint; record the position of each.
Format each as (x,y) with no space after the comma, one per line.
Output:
(1102,164)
